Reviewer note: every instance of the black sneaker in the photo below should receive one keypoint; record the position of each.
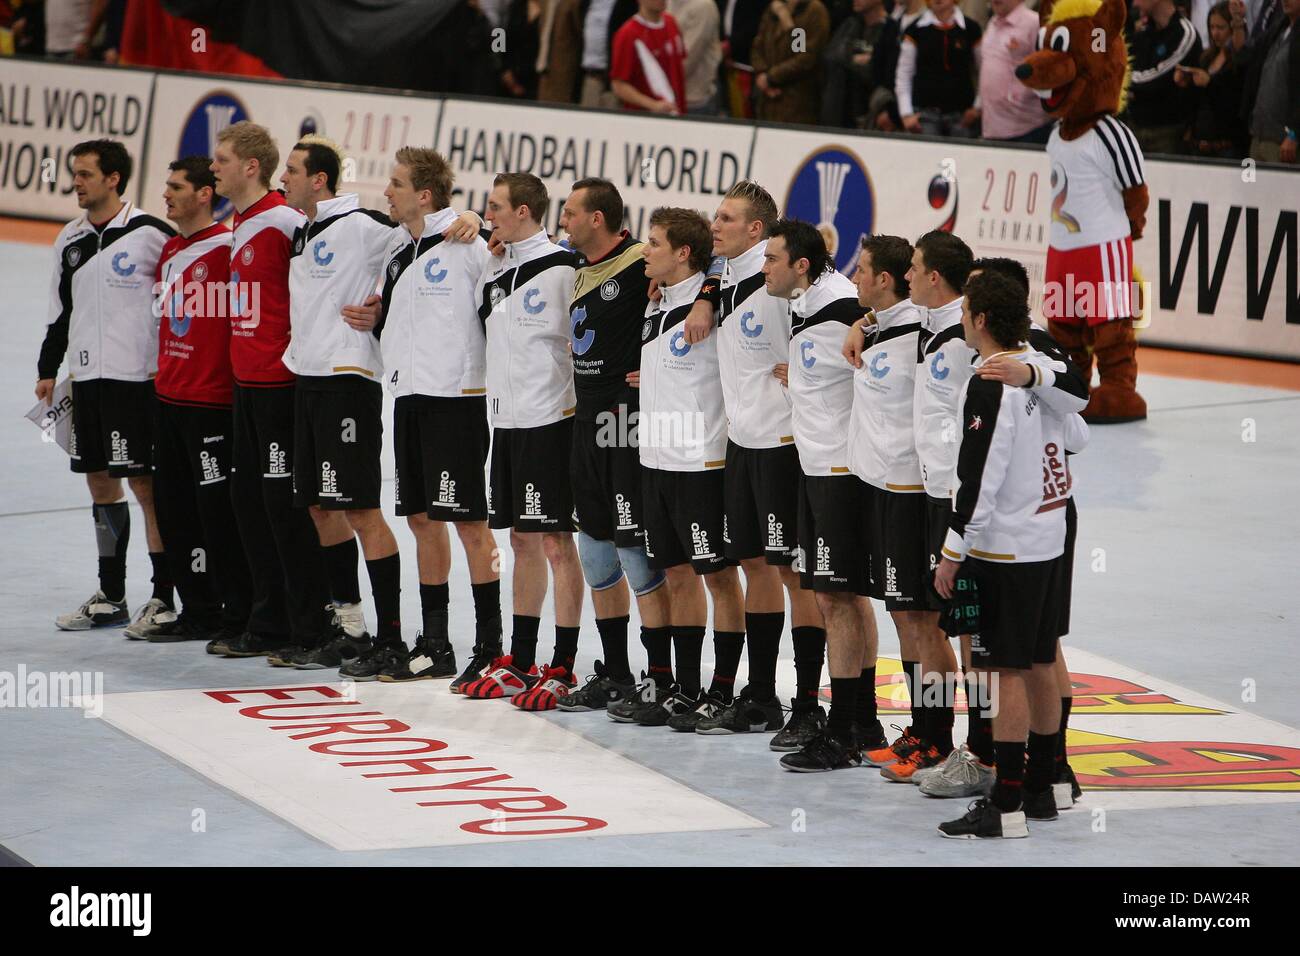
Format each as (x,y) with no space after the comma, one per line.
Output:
(251,645)
(369,664)
(645,692)
(1039,806)
(707,705)
(869,738)
(183,629)
(599,692)
(804,724)
(288,655)
(671,703)
(744,715)
(823,753)
(983,821)
(331,654)
(219,643)
(428,660)
(1063,779)
(479,662)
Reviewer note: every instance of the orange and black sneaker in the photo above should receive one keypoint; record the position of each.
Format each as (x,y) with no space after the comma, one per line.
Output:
(900,748)
(920,757)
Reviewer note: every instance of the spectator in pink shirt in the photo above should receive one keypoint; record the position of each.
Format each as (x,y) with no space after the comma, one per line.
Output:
(1010,110)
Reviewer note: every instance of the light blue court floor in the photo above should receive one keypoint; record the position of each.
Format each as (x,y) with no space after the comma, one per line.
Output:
(1183,646)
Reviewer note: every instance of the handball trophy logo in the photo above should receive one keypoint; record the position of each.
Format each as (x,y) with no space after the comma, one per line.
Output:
(212,114)
(831,188)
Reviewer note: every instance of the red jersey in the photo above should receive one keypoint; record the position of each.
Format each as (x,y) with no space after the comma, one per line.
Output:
(194,332)
(259,290)
(652,57)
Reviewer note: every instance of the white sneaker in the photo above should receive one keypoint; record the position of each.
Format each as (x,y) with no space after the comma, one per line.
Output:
(98,611)
(963,777)
(920,775)
(352,619)
(149,619)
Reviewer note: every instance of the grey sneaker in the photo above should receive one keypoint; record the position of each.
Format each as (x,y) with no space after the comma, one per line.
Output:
(963,777)
(98,611)
(953,756)
(149,619)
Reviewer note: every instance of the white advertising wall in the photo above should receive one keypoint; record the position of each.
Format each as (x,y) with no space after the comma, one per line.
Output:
(674,163)
(191,111)
(1221,250)
(45,110)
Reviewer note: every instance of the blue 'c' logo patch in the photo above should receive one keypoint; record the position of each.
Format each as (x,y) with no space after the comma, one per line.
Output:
(581,343)
(937,372)
(121,269)
(877,367)
(747,330)
(678,344)
(806,356)
(322,258)
(429,273)
(531,307)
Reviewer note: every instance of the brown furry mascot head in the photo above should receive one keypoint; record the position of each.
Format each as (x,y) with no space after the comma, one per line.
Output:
(1080,69)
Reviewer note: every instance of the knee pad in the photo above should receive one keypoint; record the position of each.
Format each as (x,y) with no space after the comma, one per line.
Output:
(640,575)
(600,562)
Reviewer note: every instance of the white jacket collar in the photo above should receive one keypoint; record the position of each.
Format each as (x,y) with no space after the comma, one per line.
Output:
(526,249)
(683,293)
(749,262)
(945,315)
(830,287)
(120,219)
(339,204)
(899,313)
(434,223)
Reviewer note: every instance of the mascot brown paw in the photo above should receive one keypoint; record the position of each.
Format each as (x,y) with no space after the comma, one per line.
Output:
(1116,399)
(1073,338)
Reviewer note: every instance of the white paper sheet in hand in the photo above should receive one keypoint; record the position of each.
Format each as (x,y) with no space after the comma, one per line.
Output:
(55,419)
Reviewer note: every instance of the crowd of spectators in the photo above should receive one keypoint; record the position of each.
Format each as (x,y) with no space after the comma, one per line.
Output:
(1208,78)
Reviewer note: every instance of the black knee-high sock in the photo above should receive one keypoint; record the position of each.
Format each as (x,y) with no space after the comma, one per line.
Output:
(112,535)
(433,612)
(566,647)
(844,700)
(911,676)
(341,569)
(688,646)
(979,730)
(658,644)
(939,712)
(487,613)
(1011,774)
(1061,759)
(1041,762)
(763,635)
(523,641)
(809,658)
(613,646)
(865,713)
(162,579)
(727,647)
(386,588)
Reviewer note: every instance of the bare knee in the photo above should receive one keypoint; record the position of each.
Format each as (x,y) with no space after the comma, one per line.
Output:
(725,582)
(103,488)
(142,489)
(364,520)
(559,548)
(523,543)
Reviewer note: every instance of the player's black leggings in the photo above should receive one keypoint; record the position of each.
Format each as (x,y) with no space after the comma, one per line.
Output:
(290,587)
(192,457)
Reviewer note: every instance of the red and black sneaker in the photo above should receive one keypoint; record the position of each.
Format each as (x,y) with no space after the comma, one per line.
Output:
(553,684)
(503,679)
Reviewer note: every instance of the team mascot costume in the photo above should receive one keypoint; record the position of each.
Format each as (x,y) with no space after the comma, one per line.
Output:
(1099,198)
